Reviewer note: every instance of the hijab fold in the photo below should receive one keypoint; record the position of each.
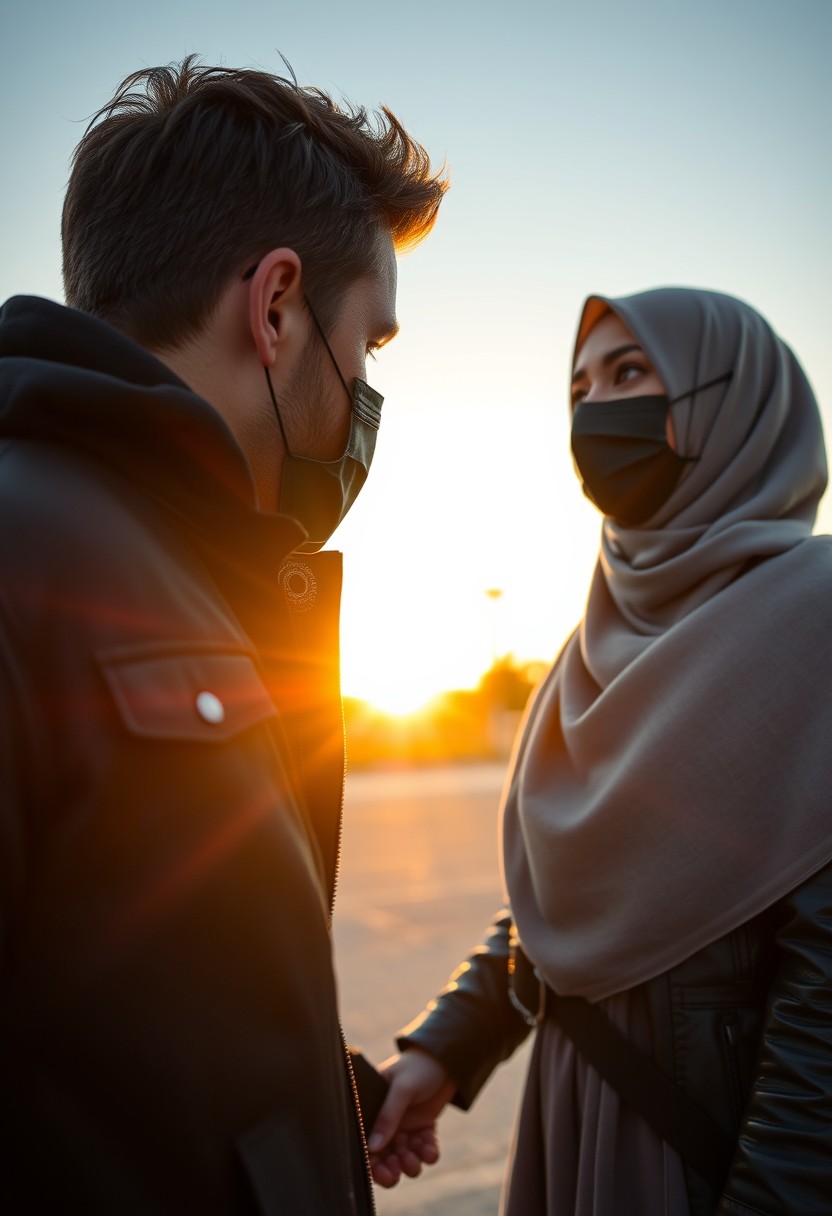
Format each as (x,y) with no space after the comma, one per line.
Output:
(672,778)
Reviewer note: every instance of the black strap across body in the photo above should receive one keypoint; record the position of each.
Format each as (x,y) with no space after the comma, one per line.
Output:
(636,1077)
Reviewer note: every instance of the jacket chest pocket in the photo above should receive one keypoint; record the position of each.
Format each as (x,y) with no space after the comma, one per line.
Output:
(202,696)
(723,1026)
(732,1044)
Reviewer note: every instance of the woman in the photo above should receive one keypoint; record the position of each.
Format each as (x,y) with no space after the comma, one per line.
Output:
(667,829)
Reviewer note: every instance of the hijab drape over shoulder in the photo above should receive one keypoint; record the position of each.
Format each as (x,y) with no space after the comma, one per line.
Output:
(673,778)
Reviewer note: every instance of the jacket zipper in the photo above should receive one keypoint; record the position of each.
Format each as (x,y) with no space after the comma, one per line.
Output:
(340,840)
(350,1073)
(360,1118)
(336,871)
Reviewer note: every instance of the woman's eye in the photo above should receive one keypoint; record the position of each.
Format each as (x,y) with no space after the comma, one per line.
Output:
(628,371)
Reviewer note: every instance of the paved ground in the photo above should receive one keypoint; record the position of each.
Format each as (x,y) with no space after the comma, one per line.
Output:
(419,883)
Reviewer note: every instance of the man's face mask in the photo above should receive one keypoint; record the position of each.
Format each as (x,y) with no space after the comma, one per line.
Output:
(625,464)
(319,493)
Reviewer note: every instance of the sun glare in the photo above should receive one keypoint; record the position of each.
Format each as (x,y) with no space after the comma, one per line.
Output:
(397,699)
(403,682)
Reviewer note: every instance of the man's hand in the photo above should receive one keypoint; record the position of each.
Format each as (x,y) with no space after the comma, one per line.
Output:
(403,1138)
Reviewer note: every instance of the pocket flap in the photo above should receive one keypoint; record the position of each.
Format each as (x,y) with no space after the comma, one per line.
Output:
(207,696)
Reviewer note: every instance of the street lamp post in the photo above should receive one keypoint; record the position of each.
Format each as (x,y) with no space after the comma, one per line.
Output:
(495,594)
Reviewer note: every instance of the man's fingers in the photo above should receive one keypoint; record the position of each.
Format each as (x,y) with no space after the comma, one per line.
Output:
(389,1117)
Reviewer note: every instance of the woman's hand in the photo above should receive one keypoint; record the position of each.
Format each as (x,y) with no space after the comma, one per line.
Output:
(403,1138)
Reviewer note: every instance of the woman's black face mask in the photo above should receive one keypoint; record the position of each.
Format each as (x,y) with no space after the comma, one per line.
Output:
(624,462)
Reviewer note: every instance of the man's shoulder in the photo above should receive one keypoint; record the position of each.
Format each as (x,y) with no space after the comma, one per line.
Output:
(87,554)
(51,498)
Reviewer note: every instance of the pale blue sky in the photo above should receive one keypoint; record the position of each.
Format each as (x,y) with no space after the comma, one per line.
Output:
(593,147)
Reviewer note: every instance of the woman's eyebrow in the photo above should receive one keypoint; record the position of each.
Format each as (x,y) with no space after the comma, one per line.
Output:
(609,357)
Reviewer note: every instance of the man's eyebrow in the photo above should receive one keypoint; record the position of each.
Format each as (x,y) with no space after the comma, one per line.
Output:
(609,357)
(390,332)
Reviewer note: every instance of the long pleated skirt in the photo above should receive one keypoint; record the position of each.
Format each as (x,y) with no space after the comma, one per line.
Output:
(578,1149)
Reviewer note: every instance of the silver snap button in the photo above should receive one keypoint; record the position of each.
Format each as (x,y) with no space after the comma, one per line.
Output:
(210,708)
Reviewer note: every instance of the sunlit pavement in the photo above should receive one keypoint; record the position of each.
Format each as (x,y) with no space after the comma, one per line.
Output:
(419,883)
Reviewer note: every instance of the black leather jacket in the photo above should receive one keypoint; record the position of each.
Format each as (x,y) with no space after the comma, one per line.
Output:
(171,778)
(744,1026)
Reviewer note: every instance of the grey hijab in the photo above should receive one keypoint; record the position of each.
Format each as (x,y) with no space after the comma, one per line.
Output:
(673,775)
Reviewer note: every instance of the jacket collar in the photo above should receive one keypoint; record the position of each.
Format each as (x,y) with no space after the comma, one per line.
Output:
(72,380)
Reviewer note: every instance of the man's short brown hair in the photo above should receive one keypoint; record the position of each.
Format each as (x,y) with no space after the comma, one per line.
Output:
(191,171)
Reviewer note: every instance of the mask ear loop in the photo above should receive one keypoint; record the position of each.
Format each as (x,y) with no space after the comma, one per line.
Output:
(322,335)
(319,328)
(323,338)
(277,412)
(246,276)
(700,388)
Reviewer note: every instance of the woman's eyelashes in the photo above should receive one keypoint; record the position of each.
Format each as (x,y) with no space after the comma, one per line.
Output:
(627,372)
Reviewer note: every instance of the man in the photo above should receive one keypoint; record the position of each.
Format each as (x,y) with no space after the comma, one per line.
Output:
(174,447)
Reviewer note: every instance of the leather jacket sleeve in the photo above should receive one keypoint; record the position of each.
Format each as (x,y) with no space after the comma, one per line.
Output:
(784,1148)
(472,1025)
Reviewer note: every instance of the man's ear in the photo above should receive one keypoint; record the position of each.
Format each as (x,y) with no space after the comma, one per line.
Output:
(276,306)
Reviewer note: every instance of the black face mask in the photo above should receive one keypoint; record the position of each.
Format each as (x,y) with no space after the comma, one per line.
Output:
(625,464)
(318,493)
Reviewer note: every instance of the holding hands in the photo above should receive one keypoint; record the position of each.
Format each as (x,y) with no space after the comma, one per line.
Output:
(404,1138)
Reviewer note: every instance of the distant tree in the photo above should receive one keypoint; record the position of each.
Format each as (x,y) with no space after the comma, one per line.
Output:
(507,685)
